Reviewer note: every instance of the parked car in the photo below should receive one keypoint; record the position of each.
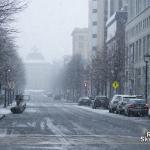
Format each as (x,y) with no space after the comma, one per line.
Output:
(84,101)
(100,101)
(57,97)
(92,98)
(118,99)
(136,107)
(121,104)
(49,94)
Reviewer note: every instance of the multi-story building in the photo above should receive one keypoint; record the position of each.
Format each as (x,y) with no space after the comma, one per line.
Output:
(80,43)
(38,72)
(81,48)
(115,5)
(137,45)
(93,27)
(102,18)
(115,44)
(99,12)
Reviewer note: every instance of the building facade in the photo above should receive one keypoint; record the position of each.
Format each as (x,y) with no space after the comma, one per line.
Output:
(137,45)
(115,44)
(115,5)
(37,72)
(102,19)
(80,43)
(93,27)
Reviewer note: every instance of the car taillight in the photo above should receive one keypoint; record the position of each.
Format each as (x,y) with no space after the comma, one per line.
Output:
(131,106)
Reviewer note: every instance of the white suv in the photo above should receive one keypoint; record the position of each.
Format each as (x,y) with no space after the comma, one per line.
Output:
(117,99)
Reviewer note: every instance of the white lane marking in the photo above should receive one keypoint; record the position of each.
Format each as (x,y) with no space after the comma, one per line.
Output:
(56,130)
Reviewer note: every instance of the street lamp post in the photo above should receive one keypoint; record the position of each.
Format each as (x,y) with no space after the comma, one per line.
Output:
(6,86)
(146,59)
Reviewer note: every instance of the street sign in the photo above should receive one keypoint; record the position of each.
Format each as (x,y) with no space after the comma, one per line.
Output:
(115,85)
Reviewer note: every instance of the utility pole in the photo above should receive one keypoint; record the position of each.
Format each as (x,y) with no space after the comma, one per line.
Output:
(6,88)
(5,102)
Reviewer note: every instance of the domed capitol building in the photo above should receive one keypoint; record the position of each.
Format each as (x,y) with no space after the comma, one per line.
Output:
(37,71)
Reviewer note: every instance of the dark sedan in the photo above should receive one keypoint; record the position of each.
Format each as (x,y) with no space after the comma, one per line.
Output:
(136,107)
(84,101)
(100,101)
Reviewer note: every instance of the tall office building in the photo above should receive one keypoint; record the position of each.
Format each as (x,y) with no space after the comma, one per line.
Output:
(137,45)
(93,27)
(80,43)
(99,12)
(102,19)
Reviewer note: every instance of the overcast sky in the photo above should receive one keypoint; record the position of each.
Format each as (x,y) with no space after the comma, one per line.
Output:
(47,25)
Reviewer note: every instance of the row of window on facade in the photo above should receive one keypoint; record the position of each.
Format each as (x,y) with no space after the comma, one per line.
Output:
(140,27)
(139,48)
(138,8)
(137,79)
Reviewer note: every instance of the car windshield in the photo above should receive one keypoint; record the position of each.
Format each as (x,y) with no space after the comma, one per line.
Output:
(137,101)
(101,98)
(126,99)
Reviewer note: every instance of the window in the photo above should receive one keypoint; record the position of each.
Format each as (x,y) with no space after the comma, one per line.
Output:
(148,42)
(140,50)
(136,53)
(94,48)
(144,45)
(94,10)
(112,7)
(94,23)
(94,35)
(120,4)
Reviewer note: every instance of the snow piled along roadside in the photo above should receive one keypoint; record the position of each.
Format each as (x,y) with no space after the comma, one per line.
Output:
(4,111)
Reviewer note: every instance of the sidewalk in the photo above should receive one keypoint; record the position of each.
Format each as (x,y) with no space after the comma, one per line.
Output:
(5,111)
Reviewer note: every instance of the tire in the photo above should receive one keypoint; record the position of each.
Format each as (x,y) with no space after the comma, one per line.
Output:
(110,110)
(117,112)
(128,113)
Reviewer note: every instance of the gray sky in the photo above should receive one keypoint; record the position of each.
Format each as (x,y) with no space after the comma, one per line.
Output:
(47,25)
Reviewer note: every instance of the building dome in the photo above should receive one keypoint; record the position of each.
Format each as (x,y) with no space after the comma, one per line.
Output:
(35,56)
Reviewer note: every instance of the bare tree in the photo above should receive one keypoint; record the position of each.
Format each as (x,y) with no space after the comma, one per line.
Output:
(9,59)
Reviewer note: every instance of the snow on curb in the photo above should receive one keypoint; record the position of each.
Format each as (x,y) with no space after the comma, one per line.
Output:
(106,113)
(4,111)
(1,117)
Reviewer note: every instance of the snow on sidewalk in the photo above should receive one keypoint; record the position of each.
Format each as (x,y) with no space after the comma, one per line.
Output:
(106,113)
(6,111)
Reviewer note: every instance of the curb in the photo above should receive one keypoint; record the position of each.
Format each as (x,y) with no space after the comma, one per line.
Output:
(3,116)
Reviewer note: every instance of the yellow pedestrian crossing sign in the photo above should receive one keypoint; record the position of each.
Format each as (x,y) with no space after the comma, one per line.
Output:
(115,85)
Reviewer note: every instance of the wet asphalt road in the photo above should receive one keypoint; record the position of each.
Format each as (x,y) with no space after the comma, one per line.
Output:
(46,125)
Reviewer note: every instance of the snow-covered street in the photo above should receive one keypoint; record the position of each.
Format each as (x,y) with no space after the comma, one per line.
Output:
(62,126)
